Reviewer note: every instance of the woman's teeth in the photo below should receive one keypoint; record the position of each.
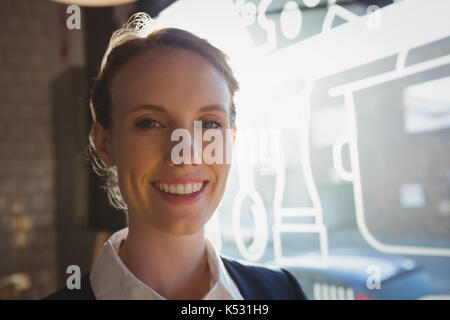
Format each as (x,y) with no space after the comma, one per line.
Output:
(180,188)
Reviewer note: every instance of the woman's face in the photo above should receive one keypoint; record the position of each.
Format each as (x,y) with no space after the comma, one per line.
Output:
(159,91)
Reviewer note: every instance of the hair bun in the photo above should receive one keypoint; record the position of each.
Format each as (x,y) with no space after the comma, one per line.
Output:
(141,22)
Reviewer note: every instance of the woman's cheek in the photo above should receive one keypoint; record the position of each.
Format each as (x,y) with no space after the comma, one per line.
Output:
(221,173)
(134,152)
(145,154)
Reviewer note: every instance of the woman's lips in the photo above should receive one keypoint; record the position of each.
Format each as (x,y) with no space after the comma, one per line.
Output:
(180,191)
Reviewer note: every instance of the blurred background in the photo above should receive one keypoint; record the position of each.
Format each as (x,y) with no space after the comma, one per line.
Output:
(342,166)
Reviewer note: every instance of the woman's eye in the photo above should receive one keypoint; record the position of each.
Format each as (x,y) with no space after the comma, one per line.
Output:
(212,124)
(147,124)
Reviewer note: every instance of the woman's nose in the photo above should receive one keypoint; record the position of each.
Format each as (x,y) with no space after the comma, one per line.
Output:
(185,147)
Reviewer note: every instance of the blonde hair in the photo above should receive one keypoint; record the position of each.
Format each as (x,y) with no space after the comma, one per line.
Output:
(137,36)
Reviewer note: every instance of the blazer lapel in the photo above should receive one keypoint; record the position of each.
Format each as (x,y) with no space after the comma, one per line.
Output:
(244,284)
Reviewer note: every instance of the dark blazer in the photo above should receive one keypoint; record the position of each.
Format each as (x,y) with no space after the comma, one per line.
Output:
(254,283)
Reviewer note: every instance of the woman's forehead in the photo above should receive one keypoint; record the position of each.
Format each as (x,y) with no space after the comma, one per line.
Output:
(169,77)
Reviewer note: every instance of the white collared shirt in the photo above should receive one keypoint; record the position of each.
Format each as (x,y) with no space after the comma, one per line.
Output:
(111,279)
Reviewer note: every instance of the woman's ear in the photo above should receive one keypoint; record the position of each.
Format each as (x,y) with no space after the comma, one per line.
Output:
(102,142)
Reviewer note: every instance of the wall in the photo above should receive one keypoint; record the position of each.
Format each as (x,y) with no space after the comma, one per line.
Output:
(27,156)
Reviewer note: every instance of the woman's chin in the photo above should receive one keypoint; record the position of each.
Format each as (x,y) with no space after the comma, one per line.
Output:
(176,219)
(188,226)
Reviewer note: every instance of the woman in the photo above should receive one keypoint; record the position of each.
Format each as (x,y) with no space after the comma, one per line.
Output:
(147,88)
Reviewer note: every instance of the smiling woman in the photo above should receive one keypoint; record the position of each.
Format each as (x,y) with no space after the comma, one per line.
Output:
(148,87)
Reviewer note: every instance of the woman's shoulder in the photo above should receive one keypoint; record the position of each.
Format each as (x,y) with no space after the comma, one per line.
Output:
(84,293)
(255,282)
(263,282)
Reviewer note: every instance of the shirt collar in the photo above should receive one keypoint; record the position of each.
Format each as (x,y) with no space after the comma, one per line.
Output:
(111,279)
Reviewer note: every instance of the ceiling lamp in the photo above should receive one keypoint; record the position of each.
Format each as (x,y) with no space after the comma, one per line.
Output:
(96,3)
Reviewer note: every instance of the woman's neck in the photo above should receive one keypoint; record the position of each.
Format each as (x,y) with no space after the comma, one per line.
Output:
(175,266)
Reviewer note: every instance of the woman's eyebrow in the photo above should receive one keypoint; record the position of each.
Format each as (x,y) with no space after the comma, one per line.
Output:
(213,108)
(149,107)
